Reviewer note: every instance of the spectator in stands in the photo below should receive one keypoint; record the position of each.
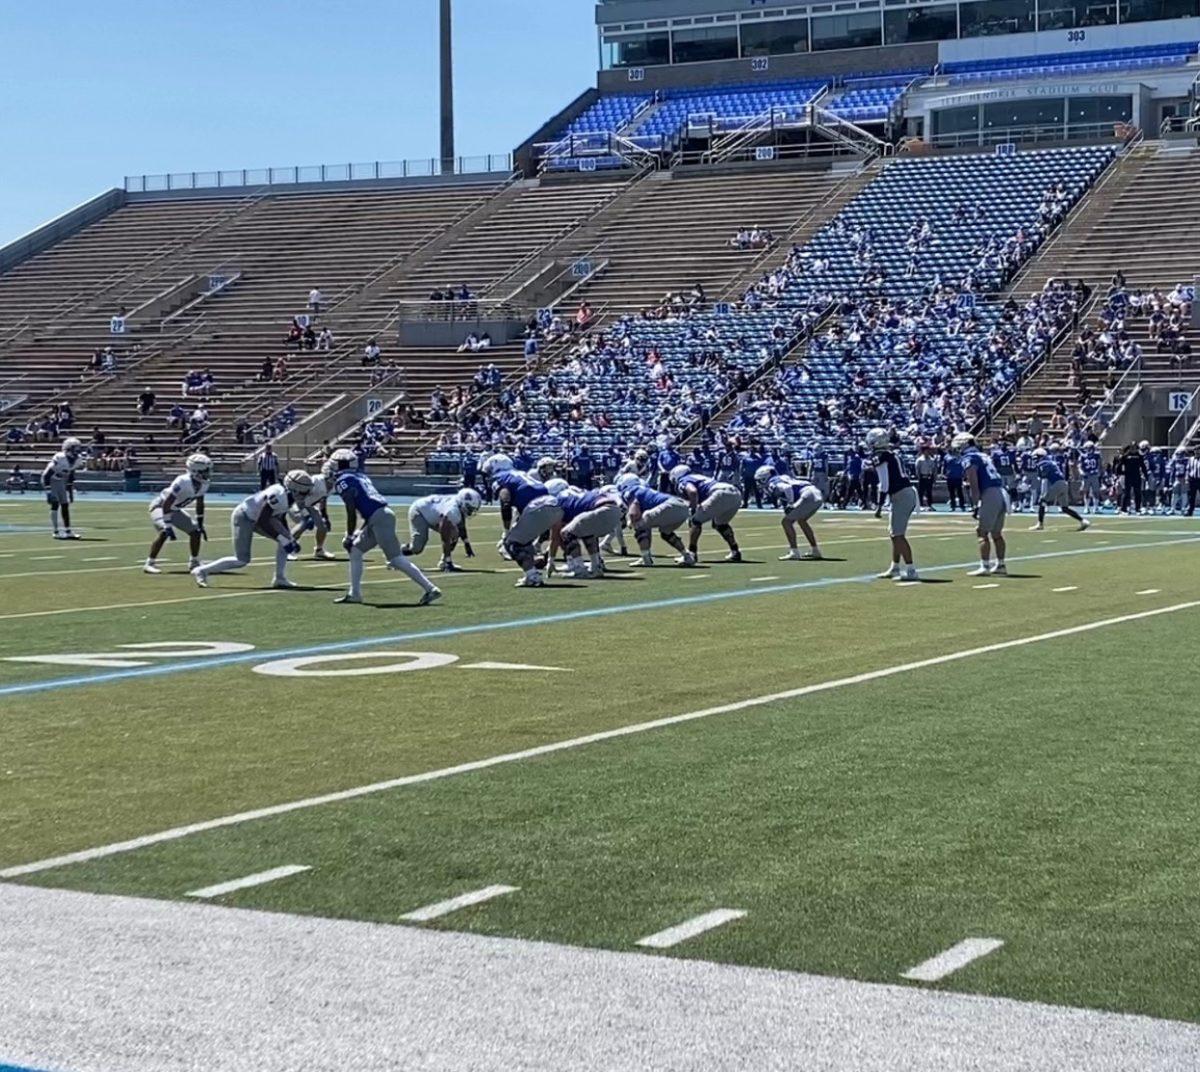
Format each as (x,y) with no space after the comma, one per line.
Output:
(266,370)
(280,371)
(108,361)
(325,339)
(241,431)
(65,415)
(197,422)
(470,343)
(310,337)
(146,402)
(98,437)
(315,298)
(295,335)
(96,363)
(371,353)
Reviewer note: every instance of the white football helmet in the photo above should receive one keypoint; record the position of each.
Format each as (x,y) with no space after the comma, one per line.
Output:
(299,483)
(545,468)
(199,466)
(495,464)
(72,447)
(877,439)
(626,482)
(1040,452)
(677,474)
(557,485)
(1144,445)
(961,442)
(763,475)
(469,501)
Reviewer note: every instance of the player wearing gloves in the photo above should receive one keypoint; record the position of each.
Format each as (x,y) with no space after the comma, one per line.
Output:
(265,513)
(58,481)
(309,494)
(168,512)
(799,500)
(447,516)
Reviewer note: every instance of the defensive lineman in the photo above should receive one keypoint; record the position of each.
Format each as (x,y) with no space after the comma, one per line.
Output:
(800,500)
(58,480)
(168,512)
(986,485)
(447,516)
(650,509)
(309,494)
(1054,490)
(894,482)
(537,513)
(709,501)
(265,513)
(378,528)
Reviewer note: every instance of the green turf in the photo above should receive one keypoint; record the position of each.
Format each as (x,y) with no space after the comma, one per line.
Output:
(1044,795)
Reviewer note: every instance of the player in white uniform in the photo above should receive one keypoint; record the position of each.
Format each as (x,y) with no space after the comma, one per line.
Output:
(58,480)
(168,511)
(447,516)
(800,499)
(264,512)
(308,494)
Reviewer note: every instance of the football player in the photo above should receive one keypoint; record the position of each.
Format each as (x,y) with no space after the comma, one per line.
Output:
(265,513)
(544,470)
(649,510)
(616,539)
(309,495)
(168,511)
(1090,464)
(1054,490)
(378,528)
(708,501)
(894,483)
(447,516)
(986,486)
(58,481)
(586,516)
(537,512)
(799,500)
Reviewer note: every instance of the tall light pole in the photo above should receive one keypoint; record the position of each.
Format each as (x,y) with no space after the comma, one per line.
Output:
(447,52)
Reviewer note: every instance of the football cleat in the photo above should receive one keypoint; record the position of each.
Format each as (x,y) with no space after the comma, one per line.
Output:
(150,567)
(909,574)
(979,571)
(889,573)
(449,567)
(1084,524)
(283,584)
(812,556)
(533,579)
(348,598)
(324,556)
(1000,570)
(734,556)
(432,596)
(1039,527)
(792,556)
(200,577)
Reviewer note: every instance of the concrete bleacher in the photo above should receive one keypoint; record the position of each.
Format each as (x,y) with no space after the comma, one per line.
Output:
(1136,225)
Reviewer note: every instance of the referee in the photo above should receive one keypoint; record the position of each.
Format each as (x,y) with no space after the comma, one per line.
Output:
(268,467)
(1193,475)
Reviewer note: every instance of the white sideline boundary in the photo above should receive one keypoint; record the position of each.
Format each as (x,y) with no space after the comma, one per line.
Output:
(176,833)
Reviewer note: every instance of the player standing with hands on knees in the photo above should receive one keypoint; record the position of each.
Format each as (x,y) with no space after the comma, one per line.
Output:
(985,486)
(168,512)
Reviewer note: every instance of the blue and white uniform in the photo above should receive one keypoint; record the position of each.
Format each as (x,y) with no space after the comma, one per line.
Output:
(1054,489)
(539,510)
(426,515)
(656,510)
(993,499)
(1089,469)
(716,502)
(799,499)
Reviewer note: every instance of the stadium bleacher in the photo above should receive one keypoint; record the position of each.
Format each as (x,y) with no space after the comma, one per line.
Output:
(1144,57)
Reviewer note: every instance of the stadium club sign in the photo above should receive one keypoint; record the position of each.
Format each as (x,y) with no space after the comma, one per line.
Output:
(1061,89)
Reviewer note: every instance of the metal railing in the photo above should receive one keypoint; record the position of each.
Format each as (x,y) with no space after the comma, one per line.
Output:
(1183,426)
(1112,130)
(426,167)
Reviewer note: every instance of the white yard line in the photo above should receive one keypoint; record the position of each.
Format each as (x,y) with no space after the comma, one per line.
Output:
(761,580)
(178,832)
(102,558)
(981,586)
(463,900)
(956,957)
(690,928)
(1148,592)
(1066,588)
(260,878)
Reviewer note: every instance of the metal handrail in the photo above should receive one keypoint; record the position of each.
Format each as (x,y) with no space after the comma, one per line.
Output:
(1183,416)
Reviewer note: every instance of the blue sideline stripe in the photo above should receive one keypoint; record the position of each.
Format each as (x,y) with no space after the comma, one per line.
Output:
(527,623)
(17,1068)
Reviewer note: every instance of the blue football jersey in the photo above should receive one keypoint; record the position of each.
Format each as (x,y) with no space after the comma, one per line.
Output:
(522,488)
(359,493)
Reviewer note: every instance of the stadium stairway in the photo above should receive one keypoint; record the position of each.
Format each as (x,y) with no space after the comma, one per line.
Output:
(1135,223)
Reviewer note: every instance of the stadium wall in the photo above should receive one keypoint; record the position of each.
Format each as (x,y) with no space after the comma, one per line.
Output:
(33,243)
(1051,42)
(523,154)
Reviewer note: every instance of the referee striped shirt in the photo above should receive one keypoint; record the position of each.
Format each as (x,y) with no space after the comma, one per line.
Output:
(268,463)
(1193,469)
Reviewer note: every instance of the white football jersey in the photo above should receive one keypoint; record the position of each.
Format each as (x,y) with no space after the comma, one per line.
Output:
(271,500)
(436,508)
(61,466)
(320,491)
(183,490)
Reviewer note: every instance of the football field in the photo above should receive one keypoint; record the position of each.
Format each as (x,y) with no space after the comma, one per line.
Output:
(780,764)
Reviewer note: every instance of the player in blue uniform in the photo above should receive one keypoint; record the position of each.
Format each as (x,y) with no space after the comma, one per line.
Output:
(1157,485)
(986,486)
(799,500)
(818,467)
(1178,472)
(710,501)
(377,529)
(649,510)
(537,512)
(1054,489)
(586,517)
(1090,465)
(1004,458)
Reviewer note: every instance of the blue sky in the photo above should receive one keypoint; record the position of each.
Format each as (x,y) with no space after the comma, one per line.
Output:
(90,92)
